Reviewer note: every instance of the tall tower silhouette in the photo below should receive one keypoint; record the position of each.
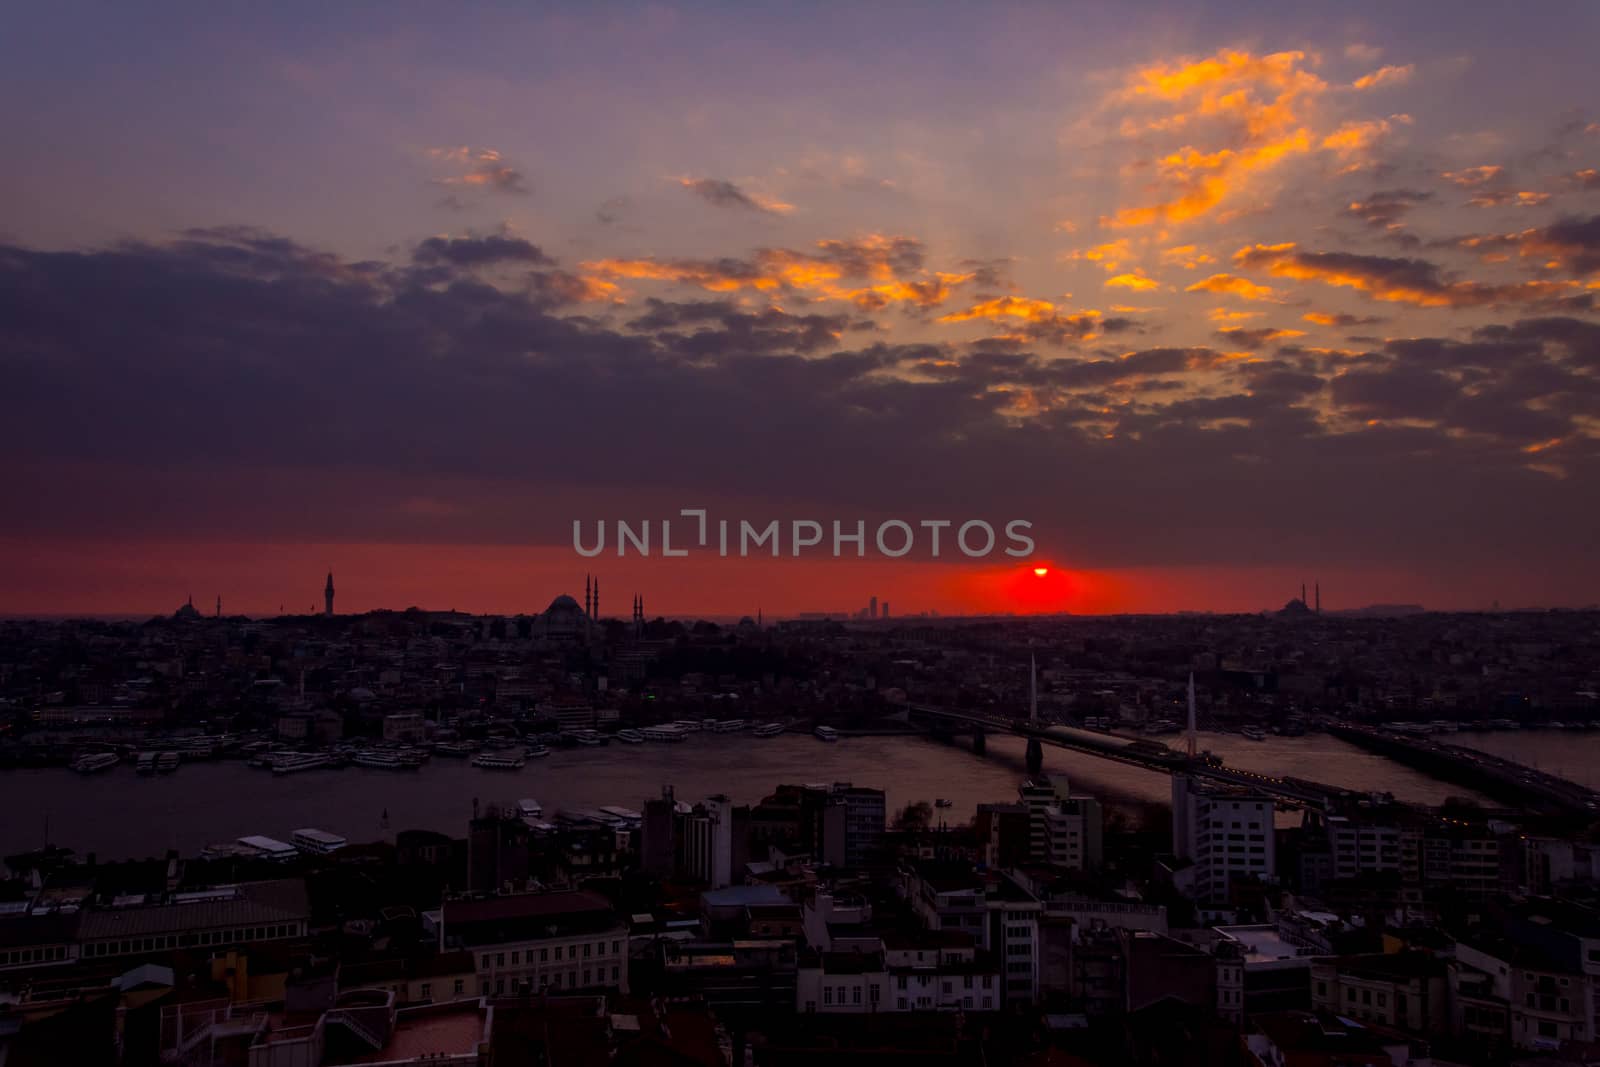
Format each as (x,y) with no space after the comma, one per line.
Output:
(1318,593)
(327,596)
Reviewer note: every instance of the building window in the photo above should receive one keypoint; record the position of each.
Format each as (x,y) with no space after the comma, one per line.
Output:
(827,994)
(855,997)
(427,990)
(486,962)
(514,959)
(544,955)
(460,988)
(558,953)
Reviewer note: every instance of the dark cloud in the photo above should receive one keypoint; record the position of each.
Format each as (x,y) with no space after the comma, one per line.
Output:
(1418,282)
(478,251)
(723,193)
(280,392)
(1386,207)
(1246,337)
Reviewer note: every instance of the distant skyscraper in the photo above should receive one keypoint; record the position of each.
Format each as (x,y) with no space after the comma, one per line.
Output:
(327,596)
(886,609)
(872,608)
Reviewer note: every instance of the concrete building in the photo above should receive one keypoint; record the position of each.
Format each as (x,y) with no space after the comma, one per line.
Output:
(1063,830)
(557,941)
(405,727)
(1226,831)
(708,842)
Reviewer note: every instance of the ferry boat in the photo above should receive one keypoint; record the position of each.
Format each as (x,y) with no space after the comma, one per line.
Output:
(537,751)
(632,737)
(499,761)
(768,729)
(588,737)
(455,749)
(687,725)
(167,762)
(708,724)
(95,762)
(669,732)
(529,808)
(1253,733)
(146,764)
(729,726)
(308,761)
(317,841)
(380,759)
(826,733)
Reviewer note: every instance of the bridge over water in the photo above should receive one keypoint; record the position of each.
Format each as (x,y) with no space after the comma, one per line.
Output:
(1151,755)
(1509,781)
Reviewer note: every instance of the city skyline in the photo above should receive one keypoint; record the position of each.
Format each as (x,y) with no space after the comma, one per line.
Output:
(1223,300)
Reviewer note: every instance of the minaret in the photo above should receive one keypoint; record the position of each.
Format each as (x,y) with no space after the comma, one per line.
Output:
(1191,715)
(1319,597)
(597,597)
(588,602)
(327,596)
(1033,689)
(219,605)
(1302,593)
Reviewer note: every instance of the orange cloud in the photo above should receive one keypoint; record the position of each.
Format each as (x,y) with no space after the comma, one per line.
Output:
(1473,176)
(1403,281)
(1186,256)
(1132,281)
(1110,255)
(890,267)
(1355,141)
(1501,197)
(1253,110)
(1231,315)
(1043,319)
(1233,285)
(1386,75)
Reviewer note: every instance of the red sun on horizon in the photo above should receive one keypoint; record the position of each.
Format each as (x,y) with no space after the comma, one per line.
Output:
(1041,571)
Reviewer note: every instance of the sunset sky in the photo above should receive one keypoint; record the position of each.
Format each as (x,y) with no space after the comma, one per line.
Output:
(1222,298)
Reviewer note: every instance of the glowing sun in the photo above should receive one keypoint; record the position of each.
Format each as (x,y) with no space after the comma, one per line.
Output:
(1041,571)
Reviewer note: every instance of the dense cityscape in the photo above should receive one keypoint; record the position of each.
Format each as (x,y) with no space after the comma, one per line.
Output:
(700,533)
(1253,919)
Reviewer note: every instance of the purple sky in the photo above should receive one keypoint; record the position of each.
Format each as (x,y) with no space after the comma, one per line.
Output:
(1212,294)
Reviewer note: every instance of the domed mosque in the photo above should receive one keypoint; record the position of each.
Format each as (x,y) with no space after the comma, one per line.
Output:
(566,620)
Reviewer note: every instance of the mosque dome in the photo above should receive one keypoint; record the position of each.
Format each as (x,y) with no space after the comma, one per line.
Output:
(563,604)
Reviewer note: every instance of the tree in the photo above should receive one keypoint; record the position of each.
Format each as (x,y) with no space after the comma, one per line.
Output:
(914,817)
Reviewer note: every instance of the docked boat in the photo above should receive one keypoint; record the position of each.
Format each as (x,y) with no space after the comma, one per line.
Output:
(768,729)
(730,726)
(529,808)
(537,751)
(167,762)
(146,764)
(669,732)
(380,759)
(317,841)
(455,749)
(499,761)
(95,762)
(307,761)
(826,733)
(632,737)
(688,725)
(588,737)
(1253,733)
